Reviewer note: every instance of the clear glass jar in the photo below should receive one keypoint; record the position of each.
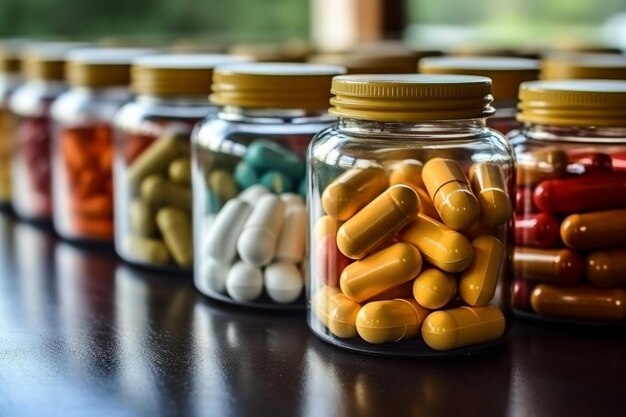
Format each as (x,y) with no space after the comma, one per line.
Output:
(410,217)
(43,68)
(249,181)
(152,172)
(9,80)
(571,202)
(593,66)
(83,142)
(506,75)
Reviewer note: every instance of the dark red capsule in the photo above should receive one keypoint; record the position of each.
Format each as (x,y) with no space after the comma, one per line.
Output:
(524,201)
(585,161)
(540,230)
(522,289)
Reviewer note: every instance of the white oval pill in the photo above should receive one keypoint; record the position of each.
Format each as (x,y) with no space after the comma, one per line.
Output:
(253,194)
(220,241)
(212,277)
(244,282)
(293,235)
(283,282)
(258,240)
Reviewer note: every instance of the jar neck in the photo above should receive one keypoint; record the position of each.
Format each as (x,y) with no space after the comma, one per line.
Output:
(551,133)
(428,128)
(273,116)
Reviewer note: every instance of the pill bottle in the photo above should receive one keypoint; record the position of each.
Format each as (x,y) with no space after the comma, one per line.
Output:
(9,80)
(570,255)
(565,66)
(410,217)
(506,75)
(152,158)
(82,155)
(43,70)
(249,181)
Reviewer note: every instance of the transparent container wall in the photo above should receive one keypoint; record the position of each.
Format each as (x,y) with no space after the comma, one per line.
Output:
(6,152)
(386,275)
(504,120)
(153,193)
(249,207)
(571,226)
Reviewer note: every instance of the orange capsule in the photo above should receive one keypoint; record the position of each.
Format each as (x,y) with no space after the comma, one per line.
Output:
(579,302)
(600,229)
(607,268)
(353,190)
(561,266)
(93,227)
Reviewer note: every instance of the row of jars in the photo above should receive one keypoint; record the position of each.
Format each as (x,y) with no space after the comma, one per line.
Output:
(409,193)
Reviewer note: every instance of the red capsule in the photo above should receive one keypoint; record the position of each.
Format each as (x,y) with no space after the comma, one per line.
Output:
(524,201)
(541,230)
(522,289)
(582,193)
(619,161)
(331,262)
(585,161)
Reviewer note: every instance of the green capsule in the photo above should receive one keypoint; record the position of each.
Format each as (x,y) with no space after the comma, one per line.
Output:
(245,175)
(213,203)
(264,155)
(302,189)
(277,182)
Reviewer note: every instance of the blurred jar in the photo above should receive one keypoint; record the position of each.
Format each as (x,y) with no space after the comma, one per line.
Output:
(410,217)
(83,141)
(43,69)
(370,62)
(152,172)
(249,181)
(506,75)
(10,78)
(570,259)
(589,66)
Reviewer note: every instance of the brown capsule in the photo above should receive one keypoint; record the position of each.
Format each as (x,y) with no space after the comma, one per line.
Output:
(600,229)
(560,266)
(579,302)
(607,268)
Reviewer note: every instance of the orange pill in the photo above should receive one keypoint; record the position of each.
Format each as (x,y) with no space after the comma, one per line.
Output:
(607,268)
(353,190)
(600,229)
(579,302)
(99,228)
(408,173)
(401,291)
(106,159)
(99,205)
(89,182)
(560,266)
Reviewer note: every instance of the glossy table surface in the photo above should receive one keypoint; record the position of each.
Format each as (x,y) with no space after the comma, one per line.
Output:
(83,334)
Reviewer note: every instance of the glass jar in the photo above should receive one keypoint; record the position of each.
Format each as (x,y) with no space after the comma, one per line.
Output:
(249,181)
(571,202)
(566,66)
(410,217)
(506,75)
(82,160)
(152,172)
(9,80)
(43,68)
(370,62)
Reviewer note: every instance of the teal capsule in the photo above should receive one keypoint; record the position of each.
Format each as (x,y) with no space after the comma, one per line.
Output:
(264,155)
(302,189)
(245,175)
(212,203)
(277,182)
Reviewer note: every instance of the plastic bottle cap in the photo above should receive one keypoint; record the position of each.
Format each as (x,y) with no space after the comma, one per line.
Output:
(101,67)
(274,85)
(506,73)
(46,60)
(589,66)
(176,74)
(411,97)
(582,103)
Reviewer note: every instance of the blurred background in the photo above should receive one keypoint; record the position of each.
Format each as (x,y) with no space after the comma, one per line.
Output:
(442,24)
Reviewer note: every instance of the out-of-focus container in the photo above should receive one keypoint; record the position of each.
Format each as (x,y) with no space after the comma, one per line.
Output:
(587,66)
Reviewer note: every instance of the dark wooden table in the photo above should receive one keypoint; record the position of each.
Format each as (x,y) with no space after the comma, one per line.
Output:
(82,334)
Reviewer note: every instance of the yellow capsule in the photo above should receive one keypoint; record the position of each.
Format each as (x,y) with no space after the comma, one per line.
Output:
(320,303)
(401,291)
(378,221)
(342,313)
(489,186)
(478,282)
(426,205)
(380,271)
(352,190)
(408,173)
(452,196)
(326,226)
(441,246)
(479,229)
(390,320)
(463,326)
(433,288)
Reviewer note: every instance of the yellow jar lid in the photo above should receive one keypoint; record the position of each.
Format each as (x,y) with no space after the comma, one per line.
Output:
(411,97)
(506,73)
(582,103)
(372,62)
(588,66)
(46,60)
(101,67)
(176,74)
(274,85)
(10,62)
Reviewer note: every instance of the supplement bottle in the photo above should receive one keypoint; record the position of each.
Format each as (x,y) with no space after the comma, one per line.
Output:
(570,255)
(249,181)
(82,160)
(410,217)
(564,66)
(152,173)
(506,75)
